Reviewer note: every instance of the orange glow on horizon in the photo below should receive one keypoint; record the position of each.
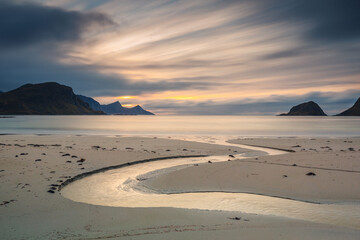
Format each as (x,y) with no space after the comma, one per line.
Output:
(128,105)
(126,97)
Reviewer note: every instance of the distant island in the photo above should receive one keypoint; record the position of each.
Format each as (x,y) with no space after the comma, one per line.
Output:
(313,109)
(52,98)
(305,109)
(353,111)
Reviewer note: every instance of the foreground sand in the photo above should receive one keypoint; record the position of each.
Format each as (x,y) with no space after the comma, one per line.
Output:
(335,163)
(30,164)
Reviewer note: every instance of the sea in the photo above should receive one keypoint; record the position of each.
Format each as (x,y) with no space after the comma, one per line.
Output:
(242,126)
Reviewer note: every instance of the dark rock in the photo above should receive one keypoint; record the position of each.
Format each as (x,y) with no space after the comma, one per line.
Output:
(305,109)
(231,156)
(51,191)
(353,111)
(310,174)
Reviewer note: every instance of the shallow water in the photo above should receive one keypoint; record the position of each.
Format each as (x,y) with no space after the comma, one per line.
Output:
(183,125)
(121,188)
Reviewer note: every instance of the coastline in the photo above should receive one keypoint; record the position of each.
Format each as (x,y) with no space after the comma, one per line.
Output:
(73,219)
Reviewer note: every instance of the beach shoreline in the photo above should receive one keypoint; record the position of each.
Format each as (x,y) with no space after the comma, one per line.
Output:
(26,179)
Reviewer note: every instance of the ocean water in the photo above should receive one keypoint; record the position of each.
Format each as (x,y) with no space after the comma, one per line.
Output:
(183,125)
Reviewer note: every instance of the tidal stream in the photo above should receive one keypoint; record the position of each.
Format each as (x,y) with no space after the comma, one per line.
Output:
(121,188)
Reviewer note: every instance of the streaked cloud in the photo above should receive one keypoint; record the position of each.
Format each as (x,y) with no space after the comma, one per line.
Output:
(207,53)
(23,24)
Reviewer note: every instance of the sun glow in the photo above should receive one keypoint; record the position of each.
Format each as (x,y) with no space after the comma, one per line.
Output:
(128,105)
(125,97)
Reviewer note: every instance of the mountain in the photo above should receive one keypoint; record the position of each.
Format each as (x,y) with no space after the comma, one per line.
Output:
(95,105)
(353,111)
(43,99)
(117,108)
(112,108)
(305,109)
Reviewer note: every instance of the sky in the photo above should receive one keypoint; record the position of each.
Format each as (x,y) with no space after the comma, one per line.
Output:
(180,57)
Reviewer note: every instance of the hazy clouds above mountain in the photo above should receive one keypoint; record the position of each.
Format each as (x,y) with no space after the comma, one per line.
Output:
(171,54)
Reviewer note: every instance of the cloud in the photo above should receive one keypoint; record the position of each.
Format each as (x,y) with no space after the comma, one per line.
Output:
(17,69)
(331,102)
(325,20)
(23,24)
(221,52)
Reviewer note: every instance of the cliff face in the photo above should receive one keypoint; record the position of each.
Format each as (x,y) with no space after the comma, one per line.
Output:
(353,111)
(305,109)
(95,105)
(43,99)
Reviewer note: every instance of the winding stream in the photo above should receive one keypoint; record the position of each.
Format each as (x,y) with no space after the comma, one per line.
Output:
(121,188)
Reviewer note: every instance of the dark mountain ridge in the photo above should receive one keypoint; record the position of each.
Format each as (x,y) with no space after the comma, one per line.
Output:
(48,98)
(118,109)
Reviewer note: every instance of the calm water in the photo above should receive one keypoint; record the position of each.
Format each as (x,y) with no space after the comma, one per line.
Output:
(183,125)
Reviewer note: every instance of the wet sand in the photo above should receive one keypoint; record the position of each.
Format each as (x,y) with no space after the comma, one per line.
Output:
(31,164)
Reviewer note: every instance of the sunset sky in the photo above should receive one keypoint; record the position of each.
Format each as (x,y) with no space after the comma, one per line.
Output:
(185,56)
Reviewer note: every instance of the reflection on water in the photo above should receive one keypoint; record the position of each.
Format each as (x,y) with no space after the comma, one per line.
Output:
(184,125)
(121,188)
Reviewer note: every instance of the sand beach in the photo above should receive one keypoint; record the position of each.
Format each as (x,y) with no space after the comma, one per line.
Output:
(34,166)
